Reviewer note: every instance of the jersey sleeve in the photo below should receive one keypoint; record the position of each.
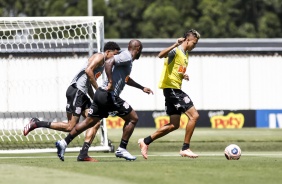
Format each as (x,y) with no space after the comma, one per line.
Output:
(123,58)
(171,55)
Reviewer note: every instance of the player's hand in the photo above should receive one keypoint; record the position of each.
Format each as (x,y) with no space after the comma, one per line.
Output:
(148,90)
(110,87)
(186,77)
(179,41)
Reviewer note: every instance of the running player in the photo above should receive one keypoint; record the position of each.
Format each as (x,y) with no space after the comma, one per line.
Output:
(107,100)
(176,101)
(78,101)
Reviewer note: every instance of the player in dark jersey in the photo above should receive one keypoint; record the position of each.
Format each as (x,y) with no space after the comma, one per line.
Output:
(107,100)
(78,101)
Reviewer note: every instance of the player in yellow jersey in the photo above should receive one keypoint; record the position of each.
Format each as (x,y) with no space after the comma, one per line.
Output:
(176,101)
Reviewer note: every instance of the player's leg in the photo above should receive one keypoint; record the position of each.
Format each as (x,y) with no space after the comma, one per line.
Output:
(94,116)
(60,126)
(173,99)
(193,116)
(171,126)
(78,129)
(162,131)
(89,137)
(76,101)
(131,120)
(125,111)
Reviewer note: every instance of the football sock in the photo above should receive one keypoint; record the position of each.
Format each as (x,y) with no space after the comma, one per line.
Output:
(85,147)
(148,140)
(123,144)
(45,124)
(185,146)
(69,138)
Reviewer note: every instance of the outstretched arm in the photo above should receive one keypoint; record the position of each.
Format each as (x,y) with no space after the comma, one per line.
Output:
(108,69)
(132,83)
(165,52)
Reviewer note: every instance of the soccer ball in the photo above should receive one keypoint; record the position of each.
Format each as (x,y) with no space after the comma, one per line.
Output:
(232,152)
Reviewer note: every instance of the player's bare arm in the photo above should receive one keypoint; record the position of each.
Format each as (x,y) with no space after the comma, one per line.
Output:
(93,63)
(165,52)
(109,63)
(132,83)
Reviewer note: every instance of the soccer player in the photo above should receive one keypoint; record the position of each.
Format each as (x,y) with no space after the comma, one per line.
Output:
(107,101)
(78,101)
(176,101)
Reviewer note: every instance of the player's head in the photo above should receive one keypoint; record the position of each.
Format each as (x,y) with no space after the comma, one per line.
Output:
(111,48)
(191,39)
(135,47)
(192,32)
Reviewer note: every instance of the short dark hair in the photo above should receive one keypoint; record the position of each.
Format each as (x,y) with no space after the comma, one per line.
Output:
(111,46)
(192,32)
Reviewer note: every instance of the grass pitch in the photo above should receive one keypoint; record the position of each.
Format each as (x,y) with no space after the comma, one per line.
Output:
(260,162)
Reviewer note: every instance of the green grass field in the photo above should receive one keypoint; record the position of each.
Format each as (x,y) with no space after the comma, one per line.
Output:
(260,163)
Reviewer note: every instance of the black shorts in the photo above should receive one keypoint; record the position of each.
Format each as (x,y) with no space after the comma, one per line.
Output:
(104,104)
(176,101)
(77,101)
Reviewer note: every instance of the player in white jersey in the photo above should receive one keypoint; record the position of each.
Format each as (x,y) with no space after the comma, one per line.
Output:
(78,101)
(107,100)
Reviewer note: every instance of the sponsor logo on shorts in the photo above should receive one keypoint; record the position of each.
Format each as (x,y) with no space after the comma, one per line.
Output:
(90,111)
(126,105)
(177,106)
(113,113)
(78,110)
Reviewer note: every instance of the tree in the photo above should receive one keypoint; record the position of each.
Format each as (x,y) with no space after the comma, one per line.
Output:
(165,18)
(161,20)
(15,8)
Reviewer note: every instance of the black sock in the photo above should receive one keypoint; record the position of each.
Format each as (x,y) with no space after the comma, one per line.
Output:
(185,146)
(69,138)
(45,124)
(148,140)
(85,147)
(123,144)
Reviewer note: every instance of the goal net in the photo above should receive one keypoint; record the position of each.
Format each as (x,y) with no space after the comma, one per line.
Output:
(39,58)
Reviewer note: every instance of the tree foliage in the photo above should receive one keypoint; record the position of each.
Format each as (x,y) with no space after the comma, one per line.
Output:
(165,18)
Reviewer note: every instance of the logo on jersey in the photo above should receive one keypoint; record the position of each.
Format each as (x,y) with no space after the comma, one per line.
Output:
(181,69)
(68,106)
(78,110)
(97,75)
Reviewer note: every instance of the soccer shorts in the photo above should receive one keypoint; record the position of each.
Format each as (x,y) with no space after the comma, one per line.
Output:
(176,101)
(104,104)
(77,101)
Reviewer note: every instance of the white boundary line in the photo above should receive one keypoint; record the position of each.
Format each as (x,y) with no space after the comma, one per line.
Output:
(208,154)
